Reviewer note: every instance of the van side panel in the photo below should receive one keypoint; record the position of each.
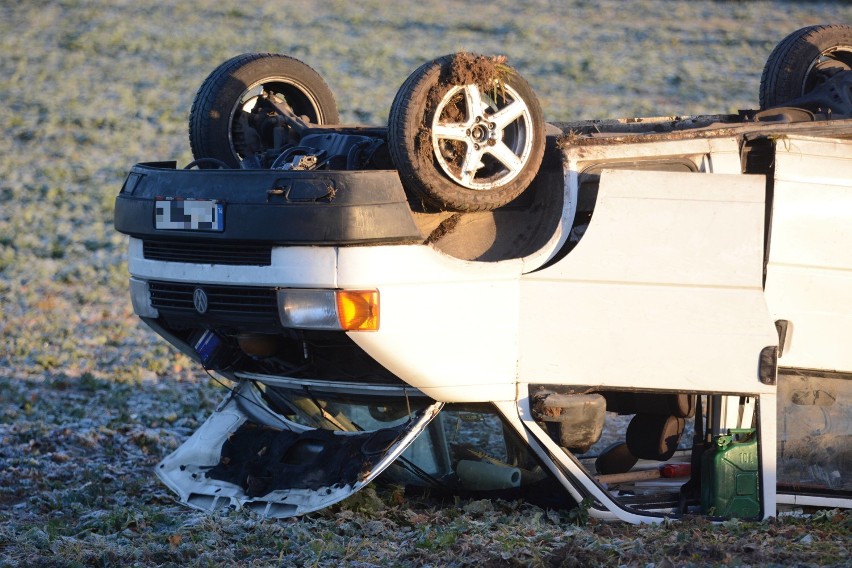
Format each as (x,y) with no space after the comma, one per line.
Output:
(663,291)
(809,274)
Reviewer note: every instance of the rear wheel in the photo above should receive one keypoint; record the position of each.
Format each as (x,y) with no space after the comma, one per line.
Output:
(804,60)
(466,133)
(232,117)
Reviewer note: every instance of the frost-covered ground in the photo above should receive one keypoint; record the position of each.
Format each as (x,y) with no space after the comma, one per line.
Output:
(89,400)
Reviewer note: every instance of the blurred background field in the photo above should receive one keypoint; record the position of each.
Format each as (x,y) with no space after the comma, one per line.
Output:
(89,399)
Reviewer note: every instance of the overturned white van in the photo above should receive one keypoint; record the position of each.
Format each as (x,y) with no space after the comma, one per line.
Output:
(652,317)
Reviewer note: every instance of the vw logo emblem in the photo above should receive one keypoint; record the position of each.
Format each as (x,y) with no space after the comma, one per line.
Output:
(199,300)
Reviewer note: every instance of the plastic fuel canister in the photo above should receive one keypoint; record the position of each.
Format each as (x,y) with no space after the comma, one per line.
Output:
(729,476)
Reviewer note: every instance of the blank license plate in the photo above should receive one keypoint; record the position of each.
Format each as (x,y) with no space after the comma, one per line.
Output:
(190,215)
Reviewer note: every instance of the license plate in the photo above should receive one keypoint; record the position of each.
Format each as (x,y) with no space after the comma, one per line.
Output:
(189,215)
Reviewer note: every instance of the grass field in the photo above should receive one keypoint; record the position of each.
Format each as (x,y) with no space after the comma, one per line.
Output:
(90,400)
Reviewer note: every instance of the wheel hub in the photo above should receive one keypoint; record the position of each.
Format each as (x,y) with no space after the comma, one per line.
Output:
(479,134)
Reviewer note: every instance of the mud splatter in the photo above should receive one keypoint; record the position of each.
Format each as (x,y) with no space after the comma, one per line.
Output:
(568,139)
(444,228)
(484,71)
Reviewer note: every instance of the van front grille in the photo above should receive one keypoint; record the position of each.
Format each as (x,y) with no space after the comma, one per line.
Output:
(222,301)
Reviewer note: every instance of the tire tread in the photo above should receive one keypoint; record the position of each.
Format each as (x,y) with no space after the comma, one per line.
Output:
(205,136)
(783,72)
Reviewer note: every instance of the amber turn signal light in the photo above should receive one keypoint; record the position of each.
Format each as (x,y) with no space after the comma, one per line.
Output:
(358,310)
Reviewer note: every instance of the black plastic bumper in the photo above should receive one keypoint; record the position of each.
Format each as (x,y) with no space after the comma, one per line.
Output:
(273,206)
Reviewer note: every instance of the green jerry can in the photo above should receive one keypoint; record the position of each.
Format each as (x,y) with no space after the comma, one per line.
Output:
(729,476)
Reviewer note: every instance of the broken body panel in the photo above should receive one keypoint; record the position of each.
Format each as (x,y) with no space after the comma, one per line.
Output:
(652,263)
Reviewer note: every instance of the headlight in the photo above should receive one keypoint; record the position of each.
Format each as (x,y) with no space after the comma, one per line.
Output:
(347,310)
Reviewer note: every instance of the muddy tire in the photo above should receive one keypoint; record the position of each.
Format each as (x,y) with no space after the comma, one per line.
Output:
(466,133)
(802,61)
(217,128)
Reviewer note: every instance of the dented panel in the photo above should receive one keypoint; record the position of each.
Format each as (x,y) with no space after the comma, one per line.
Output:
(247,455)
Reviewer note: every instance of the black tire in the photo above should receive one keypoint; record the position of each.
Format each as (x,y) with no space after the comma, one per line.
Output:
(802,61)
(506,151)
(214,121)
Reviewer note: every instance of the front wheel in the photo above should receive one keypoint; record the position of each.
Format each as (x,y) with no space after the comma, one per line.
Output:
(233,116)
(804,60)
(466,133)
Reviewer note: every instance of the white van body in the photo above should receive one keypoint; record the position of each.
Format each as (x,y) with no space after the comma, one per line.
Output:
(651,259)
